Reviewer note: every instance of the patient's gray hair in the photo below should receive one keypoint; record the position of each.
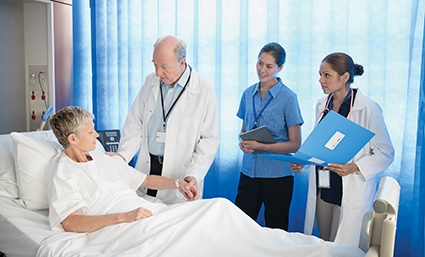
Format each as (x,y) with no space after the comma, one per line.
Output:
(67,121)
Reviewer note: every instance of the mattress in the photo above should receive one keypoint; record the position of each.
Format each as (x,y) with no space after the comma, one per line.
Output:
(21,230)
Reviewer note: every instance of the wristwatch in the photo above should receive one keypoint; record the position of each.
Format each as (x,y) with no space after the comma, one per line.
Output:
(177,181)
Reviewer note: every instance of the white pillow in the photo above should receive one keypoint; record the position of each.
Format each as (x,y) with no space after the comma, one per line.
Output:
(8,186)
(32,156)
(32,152)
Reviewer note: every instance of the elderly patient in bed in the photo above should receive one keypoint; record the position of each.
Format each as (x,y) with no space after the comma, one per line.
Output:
(95,195)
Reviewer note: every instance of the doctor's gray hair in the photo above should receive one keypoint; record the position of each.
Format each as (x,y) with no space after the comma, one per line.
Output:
(67,121)
(179,49)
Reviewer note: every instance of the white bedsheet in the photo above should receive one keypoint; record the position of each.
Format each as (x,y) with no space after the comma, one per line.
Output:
(211,228)
(21,230)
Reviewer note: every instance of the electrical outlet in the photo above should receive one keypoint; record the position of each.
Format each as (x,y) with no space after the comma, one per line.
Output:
(32,77)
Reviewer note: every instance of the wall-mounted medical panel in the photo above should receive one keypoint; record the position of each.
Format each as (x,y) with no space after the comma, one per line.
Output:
(38,95)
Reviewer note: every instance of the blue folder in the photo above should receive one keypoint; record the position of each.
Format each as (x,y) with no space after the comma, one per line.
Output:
(335,139)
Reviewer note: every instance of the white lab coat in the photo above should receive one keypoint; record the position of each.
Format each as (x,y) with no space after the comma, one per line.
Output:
(192,133)
(358,188)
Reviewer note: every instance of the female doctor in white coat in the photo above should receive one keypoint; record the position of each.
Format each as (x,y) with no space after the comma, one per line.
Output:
(339,202)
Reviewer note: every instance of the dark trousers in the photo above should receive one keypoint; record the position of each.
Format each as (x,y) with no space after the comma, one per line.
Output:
(156,169)
(275,193)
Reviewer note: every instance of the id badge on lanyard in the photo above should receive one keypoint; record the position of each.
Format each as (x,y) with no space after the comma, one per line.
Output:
(324,178)
(160,137)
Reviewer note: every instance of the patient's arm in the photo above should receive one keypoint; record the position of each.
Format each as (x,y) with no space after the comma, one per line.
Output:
(89,223)
(188,188)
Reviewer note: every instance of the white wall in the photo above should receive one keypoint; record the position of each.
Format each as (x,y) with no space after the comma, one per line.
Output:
(25,39)
(38,44)
(12,67)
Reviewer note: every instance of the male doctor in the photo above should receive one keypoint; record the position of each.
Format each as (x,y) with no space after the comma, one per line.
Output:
(173,122)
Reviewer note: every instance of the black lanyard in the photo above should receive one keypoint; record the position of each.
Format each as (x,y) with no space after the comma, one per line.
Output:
(165,116)
(261,111)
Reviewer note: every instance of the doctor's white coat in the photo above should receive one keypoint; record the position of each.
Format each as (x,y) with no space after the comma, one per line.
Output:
(192,133)
(358,188)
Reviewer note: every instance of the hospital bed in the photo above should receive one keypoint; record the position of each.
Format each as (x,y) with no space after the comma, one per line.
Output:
(24,224)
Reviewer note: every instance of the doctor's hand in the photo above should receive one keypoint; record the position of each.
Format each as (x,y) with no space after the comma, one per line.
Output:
(343,169)
(189,188)
(296,167)
(115,154)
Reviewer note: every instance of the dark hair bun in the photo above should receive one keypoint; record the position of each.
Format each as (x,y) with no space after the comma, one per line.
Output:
(358,69)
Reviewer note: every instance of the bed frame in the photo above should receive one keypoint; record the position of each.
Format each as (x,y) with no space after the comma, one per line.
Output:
(379,226)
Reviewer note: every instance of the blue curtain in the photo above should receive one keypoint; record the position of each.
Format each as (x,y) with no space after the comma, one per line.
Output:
(418,205)
(113,43)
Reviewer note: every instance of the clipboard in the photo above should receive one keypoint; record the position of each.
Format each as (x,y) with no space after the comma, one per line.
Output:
(335,139)
(260,134)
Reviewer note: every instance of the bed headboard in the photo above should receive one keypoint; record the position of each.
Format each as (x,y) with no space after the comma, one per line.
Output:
(379,227)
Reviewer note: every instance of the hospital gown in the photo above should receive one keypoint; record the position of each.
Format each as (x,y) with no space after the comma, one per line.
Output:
(211,227)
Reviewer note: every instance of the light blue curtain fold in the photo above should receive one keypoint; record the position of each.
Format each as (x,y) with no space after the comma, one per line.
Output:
(113,44)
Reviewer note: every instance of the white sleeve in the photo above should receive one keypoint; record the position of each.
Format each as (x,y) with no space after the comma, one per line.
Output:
(134,177)
(62,193)
(132,132)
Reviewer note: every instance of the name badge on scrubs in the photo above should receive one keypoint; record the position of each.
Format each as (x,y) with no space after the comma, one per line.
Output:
(160,137)
(324,178)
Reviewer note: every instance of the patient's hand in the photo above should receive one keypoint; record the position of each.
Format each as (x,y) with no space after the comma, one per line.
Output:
(136,214)
(189,188)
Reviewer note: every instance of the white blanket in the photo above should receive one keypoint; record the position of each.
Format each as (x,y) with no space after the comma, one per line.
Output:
(214,227)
